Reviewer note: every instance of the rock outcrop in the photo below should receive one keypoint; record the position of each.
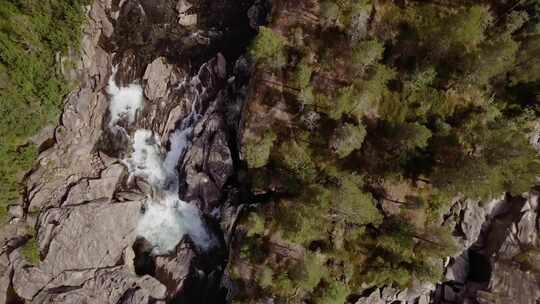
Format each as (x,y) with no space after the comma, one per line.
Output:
(497,264)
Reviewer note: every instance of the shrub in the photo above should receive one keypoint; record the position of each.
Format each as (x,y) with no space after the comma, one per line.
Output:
(330,13)
(303,74)
(355,206)
(296,158)
(265,277)
(309,272)
(255,224)
(30,251)
(335,292)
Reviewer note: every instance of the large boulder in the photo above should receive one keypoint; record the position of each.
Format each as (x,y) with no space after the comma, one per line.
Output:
(174,271)
(107,285)
(93,235)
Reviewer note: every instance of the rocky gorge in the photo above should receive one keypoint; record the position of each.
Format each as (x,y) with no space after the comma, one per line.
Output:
(194,94)
(81,198)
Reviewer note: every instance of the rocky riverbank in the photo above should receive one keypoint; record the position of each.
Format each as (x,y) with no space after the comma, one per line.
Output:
(83,206)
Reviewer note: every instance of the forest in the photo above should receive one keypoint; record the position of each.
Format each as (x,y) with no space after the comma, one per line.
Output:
(34,35)
(390,111)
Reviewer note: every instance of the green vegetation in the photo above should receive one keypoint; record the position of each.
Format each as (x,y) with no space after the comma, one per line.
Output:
(257,151)
(268,47)
(32,33)
(347,138)
(432,100)
(30,250)
(529,260)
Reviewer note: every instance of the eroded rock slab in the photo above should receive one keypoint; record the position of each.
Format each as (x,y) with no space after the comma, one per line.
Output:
(91,236)
(110,285)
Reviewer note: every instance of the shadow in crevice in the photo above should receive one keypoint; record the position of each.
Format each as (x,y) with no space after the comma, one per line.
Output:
(479,267)
(143,262)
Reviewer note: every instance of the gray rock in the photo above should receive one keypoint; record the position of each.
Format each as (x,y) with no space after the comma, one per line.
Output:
(72,157)
(458,269)
(524,233)
(373,298)
(359,26)
(93,235)
(511,285)
(157,77)
(5,283)
(96,189)
(534,137)
(108,285)
(184,17)
(508,229)
(44,139)
(424,299)
(16,211)
(471,224)
(417,291)
(71,278)
(83,209)
(27,280)
(208,163)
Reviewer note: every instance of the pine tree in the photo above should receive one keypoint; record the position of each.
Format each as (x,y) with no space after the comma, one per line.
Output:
(347,138)
(354,206)
(334,292)
(256,151)
(364,54)
(268,48)
(308,272)
(296,158)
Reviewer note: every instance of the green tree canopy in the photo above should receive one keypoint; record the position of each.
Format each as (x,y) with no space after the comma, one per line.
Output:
(268,47)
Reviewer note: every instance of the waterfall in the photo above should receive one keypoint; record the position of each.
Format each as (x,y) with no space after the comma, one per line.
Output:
(125,101)
(166,218)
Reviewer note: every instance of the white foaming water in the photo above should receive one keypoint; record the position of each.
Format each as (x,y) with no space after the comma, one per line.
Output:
(125,101)
(166,221)
(179,141)
(167,218)
(146,161)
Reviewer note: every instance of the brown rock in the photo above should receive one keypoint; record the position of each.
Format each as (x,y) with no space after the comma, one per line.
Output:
(174,270)
(157,77)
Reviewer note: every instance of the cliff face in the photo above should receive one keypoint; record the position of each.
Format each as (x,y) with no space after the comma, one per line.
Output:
(501,241)
(498,241)
(83,199)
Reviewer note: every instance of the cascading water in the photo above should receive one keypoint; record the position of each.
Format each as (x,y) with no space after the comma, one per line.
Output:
(125,102)
(166,218)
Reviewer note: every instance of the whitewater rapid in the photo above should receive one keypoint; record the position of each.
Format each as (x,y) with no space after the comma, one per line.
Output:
(166,219)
